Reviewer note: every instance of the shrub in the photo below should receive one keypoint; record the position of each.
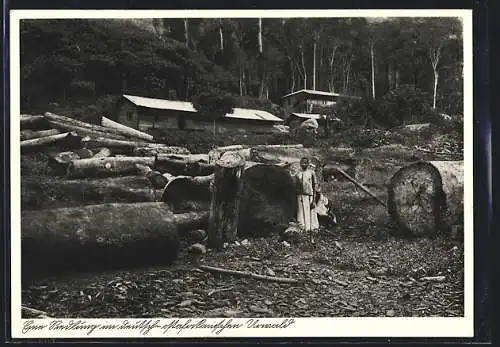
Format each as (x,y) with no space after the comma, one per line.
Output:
(213,103)
(406,105)
(84,89)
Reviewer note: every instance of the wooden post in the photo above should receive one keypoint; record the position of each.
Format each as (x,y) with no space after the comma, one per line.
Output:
(225,203)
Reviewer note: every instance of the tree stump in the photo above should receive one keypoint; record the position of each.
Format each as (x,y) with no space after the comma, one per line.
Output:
(225,203)
(426,198)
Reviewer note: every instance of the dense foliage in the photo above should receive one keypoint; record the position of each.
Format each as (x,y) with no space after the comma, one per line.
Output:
(408,63)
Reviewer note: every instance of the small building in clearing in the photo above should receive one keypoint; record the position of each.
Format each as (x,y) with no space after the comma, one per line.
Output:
(150,113)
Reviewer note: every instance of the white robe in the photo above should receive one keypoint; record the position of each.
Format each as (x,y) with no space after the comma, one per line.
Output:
(306,216)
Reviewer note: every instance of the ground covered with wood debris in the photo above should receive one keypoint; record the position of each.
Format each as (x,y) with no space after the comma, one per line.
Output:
(354,269)
(352,278)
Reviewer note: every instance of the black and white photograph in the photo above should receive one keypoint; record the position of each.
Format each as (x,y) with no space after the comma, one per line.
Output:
(241,173)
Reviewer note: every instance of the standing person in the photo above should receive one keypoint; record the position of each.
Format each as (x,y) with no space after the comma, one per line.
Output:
(307,188)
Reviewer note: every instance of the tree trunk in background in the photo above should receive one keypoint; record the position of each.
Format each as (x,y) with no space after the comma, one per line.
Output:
(304,67)
(331,82)
(260,36)
(390,76)
(435,56)
(221,37)
(347,73)
(240,80)
(292,70)
(434,96)
(314,63)
(372,59)
(186,32)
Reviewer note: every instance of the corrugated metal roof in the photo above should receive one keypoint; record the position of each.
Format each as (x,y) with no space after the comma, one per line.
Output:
(318,92)
(314,92)
(246,113)
(161,104)
(239,113)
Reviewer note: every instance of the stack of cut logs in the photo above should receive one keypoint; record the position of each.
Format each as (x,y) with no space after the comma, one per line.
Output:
(186,191)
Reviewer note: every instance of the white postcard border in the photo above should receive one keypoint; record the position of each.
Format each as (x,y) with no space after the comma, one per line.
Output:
(300,327)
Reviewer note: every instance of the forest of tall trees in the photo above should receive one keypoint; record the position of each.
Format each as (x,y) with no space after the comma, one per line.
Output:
(253,60)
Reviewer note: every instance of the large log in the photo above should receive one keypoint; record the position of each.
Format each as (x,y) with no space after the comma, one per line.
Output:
(67,121)
(216,153)
(117,146)
(31,134)
(64,139)
(268,199)
(426,198)
(156,179)
(183,193)
(108,166)
(103,153)
(282,154)
(176,167)
(158,149)
(39,193)
(225,202)
(246,151)
(84,131)
(100,236)
(135,148)
(60,161)
(33,122)
(375,166)
(200,158)
(125,130)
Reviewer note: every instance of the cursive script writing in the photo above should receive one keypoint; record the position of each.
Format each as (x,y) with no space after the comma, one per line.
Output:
(148,327)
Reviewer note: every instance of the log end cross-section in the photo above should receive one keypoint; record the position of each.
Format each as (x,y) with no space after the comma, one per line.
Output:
(426,198)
